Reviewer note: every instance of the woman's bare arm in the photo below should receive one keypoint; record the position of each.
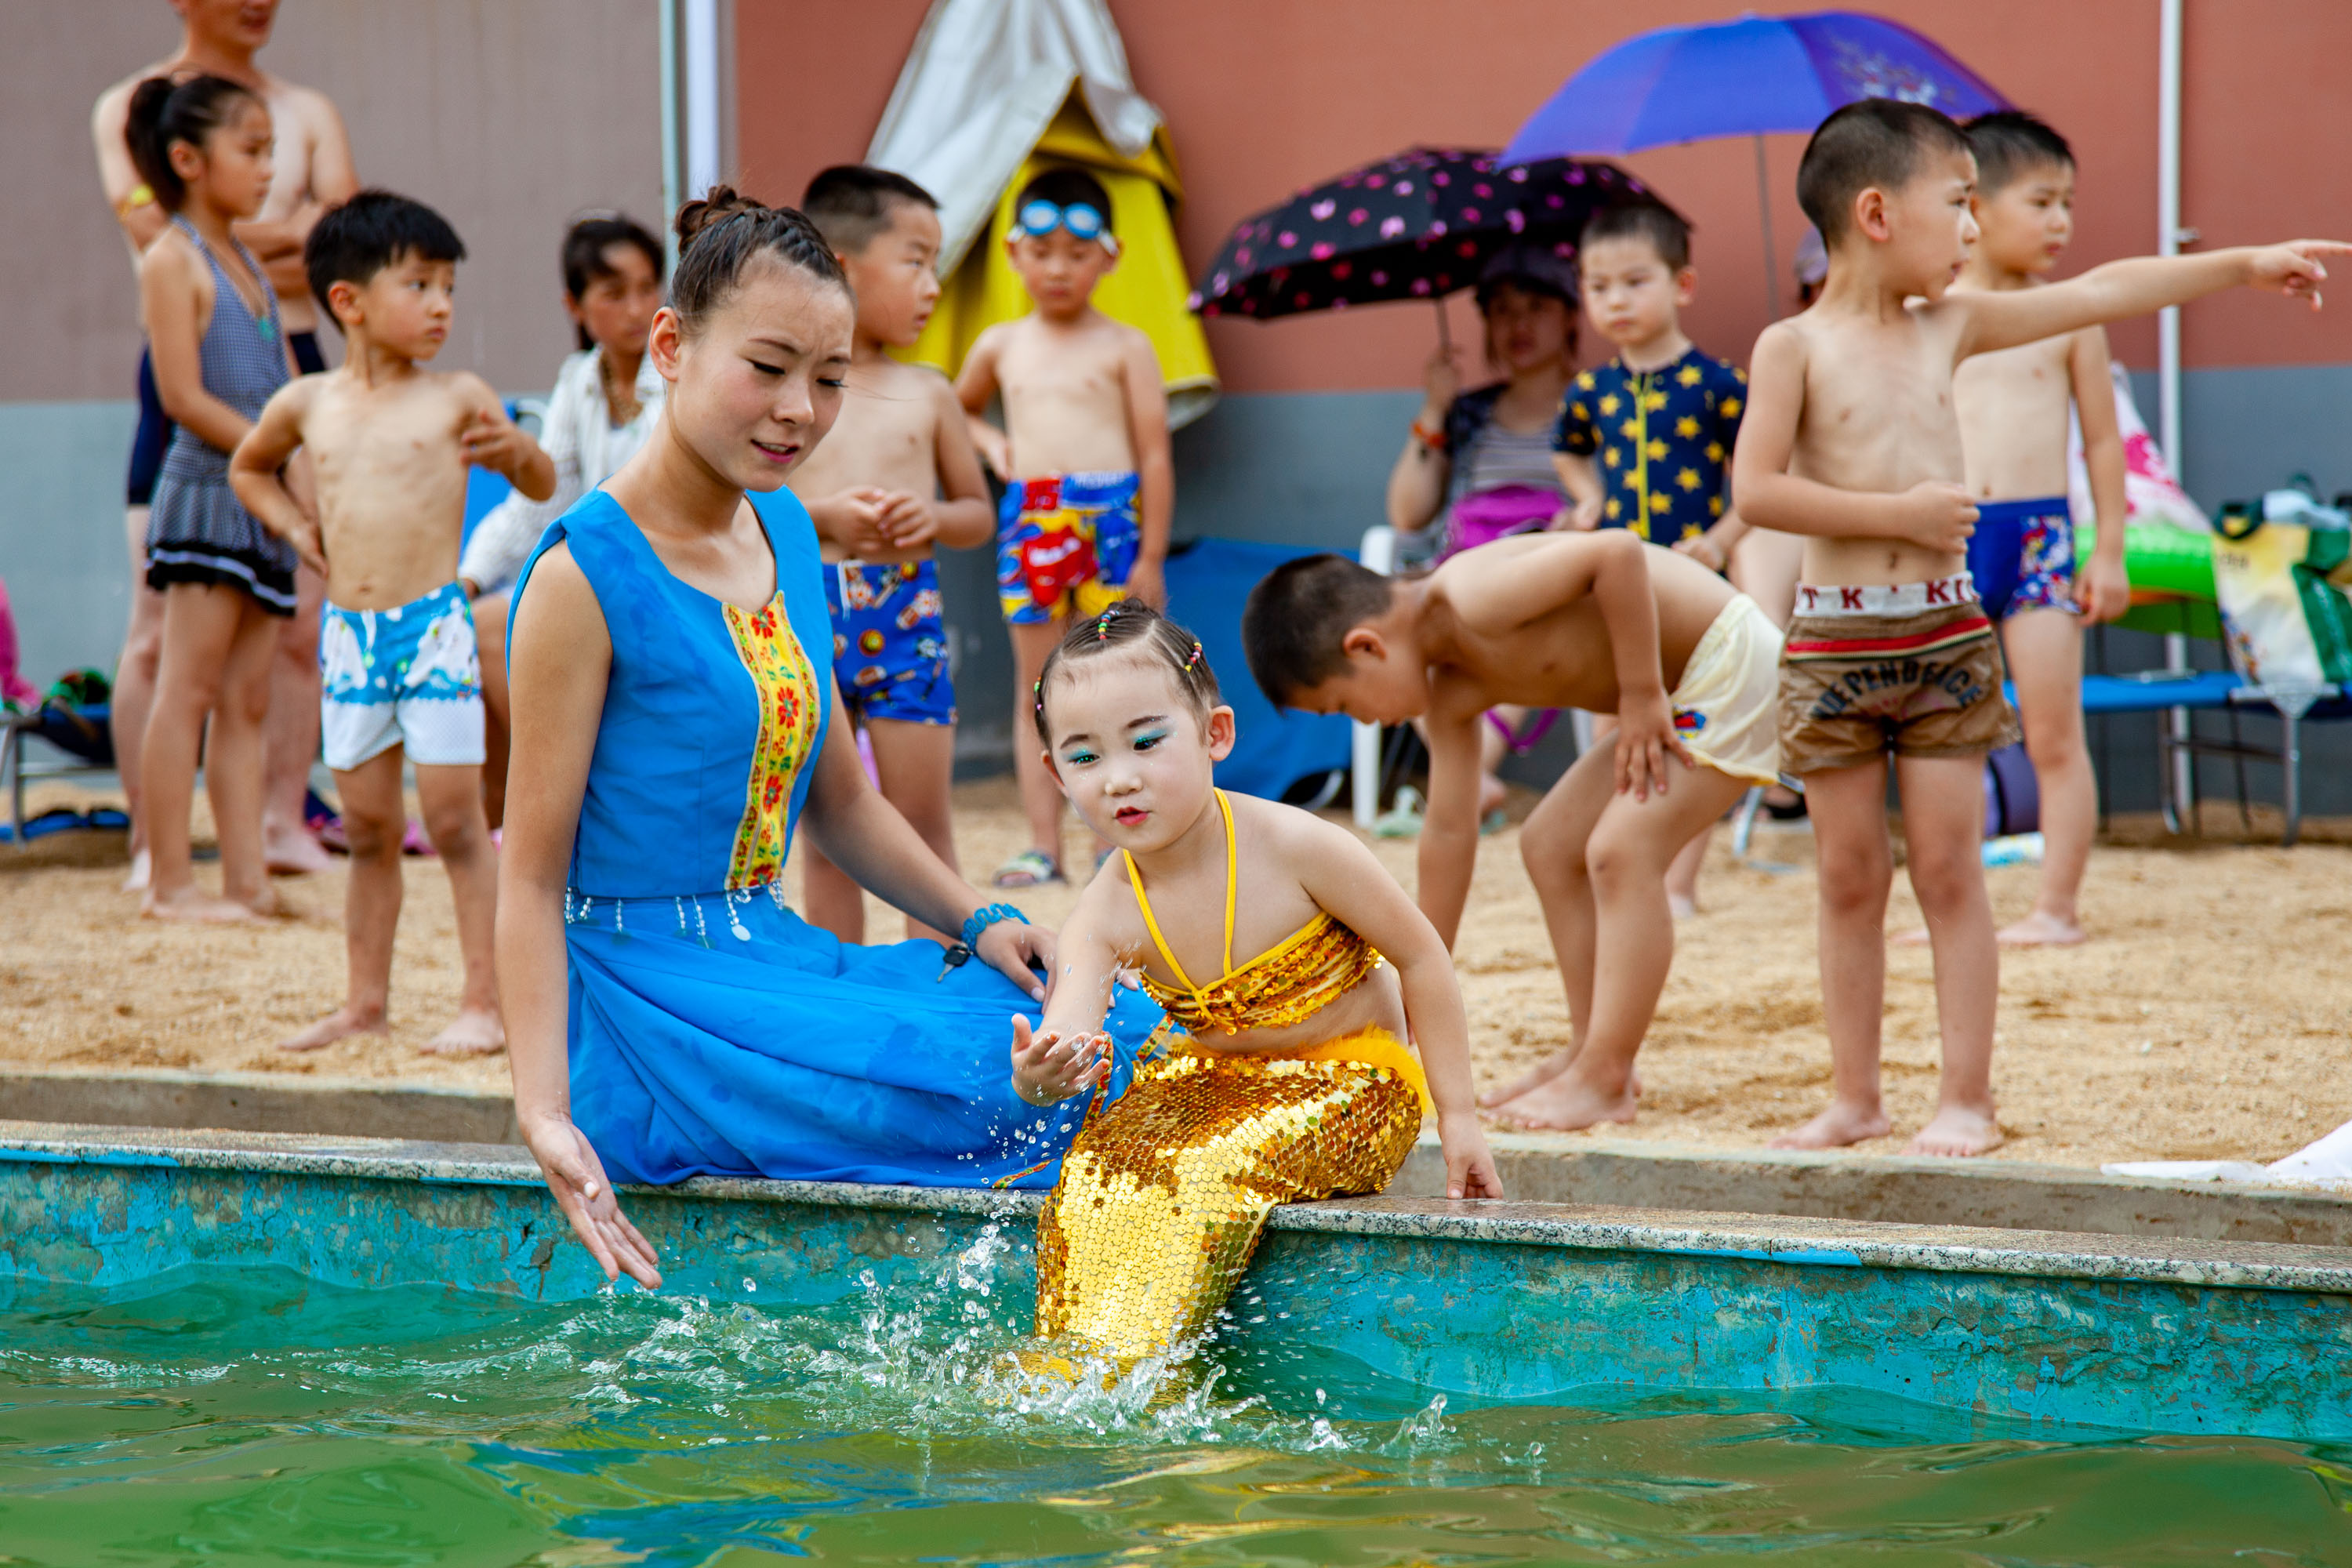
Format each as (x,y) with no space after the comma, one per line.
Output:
(559,658)
(865,835)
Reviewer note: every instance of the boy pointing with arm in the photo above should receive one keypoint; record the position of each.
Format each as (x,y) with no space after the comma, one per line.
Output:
(1851,440)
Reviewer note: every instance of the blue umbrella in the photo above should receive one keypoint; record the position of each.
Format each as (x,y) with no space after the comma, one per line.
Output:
(1745,78)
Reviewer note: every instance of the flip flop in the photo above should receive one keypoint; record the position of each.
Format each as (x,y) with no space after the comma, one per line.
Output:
(1030,868)
(414,839)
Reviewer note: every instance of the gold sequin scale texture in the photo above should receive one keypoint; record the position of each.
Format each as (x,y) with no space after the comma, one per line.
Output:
(1163,1196)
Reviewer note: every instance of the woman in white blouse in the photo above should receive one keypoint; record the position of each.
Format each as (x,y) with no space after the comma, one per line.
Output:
(607,397)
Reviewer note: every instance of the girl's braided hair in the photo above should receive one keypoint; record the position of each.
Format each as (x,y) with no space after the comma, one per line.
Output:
(1131,626)
(721,232)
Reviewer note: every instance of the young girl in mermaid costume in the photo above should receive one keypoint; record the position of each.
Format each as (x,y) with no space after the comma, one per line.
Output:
(1291,1078)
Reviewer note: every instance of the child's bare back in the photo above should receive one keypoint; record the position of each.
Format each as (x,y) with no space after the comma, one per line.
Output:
(390,461)
(1504,644)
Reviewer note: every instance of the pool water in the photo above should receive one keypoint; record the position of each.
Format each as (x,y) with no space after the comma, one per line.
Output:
(253,1415)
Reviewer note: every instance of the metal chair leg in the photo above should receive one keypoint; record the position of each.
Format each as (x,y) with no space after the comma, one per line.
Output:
(2291,763)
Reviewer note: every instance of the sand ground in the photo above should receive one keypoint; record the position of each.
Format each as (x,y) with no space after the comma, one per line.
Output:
(2207,1018)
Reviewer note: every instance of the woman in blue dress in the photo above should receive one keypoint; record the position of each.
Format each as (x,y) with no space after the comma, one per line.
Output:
(666,1015)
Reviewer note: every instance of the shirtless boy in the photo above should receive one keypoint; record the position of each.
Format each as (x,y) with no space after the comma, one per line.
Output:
(1085,452)
(2012,410)
(897,476)
(221,37)
(1851,440)
(390,443)
(1598,621)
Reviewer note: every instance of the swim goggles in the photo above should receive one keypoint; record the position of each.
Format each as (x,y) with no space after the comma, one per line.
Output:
(1041,218)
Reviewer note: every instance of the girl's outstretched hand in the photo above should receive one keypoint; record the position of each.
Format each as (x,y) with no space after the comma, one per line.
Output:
(1469,1163)
(1047,1068)
(577,1179)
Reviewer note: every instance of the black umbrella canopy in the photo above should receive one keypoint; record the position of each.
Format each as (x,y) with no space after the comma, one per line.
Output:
(1414,227)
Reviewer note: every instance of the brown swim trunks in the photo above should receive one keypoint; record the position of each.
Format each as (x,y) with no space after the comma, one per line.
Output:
(1915,669)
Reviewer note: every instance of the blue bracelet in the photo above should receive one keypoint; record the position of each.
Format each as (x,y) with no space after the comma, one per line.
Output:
(980,921)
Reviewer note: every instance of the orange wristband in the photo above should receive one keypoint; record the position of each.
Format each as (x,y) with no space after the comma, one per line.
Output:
(1432,440)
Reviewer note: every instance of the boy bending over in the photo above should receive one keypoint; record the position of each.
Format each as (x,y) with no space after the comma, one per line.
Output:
(895,477)
(1851,439)
(390,443)
(1598,621)
(1085,451)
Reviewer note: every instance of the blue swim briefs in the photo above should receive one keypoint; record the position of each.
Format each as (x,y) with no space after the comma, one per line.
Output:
(889,644)
(2023,556)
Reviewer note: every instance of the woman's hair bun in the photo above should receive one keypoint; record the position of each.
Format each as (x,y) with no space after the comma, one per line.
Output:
(714,207)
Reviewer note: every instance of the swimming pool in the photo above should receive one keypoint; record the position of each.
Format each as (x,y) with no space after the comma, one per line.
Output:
(246,1361)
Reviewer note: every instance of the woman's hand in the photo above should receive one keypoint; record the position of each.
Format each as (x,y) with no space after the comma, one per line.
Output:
(1469,1165)
(1011,949)
(577,1179)
(1047,1068)
(1441,383)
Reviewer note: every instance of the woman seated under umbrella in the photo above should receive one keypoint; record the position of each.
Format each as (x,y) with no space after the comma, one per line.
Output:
(1478,464)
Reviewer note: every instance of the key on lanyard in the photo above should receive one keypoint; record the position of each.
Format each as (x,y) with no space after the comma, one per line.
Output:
(957,955)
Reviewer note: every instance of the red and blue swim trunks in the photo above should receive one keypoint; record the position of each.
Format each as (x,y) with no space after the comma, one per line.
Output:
(889,644)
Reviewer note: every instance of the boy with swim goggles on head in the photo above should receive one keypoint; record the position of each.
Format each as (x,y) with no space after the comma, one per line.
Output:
(1083,450)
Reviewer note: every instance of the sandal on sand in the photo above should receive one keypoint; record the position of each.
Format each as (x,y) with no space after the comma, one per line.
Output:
(1030,868)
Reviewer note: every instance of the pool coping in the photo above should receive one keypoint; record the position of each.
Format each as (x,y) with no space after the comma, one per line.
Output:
(1796,1240)
(1555,1167)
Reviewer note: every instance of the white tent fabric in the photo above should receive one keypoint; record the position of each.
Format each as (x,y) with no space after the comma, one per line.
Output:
(983,80)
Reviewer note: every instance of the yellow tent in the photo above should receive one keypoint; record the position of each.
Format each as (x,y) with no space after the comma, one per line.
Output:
(1148,288)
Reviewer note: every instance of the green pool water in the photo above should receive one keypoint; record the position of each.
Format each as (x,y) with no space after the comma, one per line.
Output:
(255,1416)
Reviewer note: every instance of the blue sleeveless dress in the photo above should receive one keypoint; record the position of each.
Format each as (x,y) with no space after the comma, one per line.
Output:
(712,1031)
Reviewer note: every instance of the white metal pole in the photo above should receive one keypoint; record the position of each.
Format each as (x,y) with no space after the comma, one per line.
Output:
(2168,342)
(698,42)
(2167,229)
(670,137)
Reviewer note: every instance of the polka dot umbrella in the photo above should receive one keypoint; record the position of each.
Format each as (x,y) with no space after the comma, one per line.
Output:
(1414,227)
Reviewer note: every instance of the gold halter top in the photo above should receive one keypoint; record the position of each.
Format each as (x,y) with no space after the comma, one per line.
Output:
(1289,981)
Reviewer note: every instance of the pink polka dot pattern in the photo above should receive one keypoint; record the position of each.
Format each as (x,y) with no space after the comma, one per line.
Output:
(1414,227)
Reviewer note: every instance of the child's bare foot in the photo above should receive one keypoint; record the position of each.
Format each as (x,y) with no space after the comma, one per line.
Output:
(266,904)
(135,880)
(1567,1103)
(192,904)
(2039,929)
(476,1032)
(339,1024)
(1544,1071)
(1915,937)
(292,852)
(1838,1126)
(1957,1132)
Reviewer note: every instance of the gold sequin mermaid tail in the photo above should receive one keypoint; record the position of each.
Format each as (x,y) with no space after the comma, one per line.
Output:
(1163,1194)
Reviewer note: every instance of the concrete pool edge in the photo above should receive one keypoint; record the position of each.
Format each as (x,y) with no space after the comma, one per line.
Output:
(1548,1167)
(1796,1240)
